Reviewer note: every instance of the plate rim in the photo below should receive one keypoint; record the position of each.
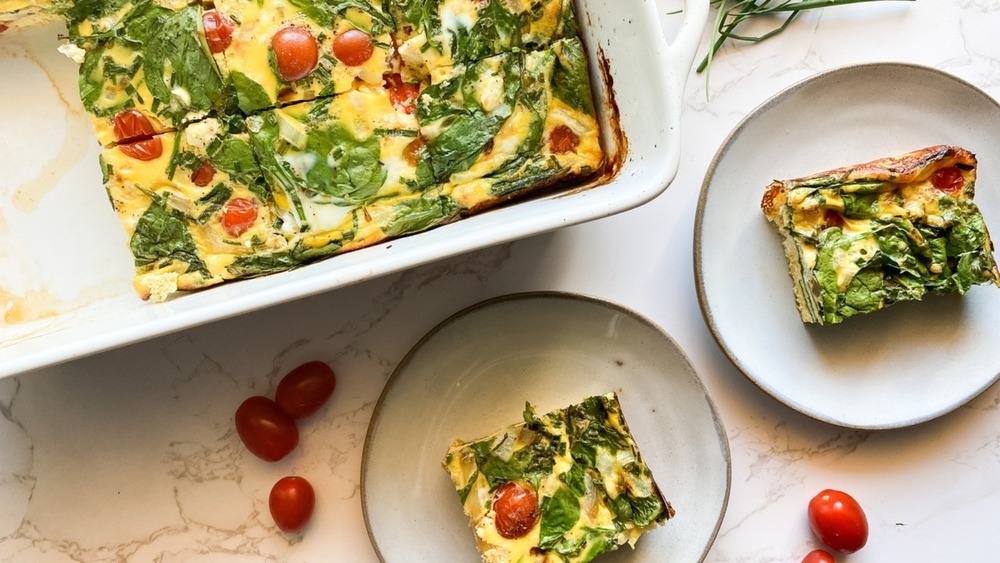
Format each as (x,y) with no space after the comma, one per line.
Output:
(698,248)
(720,428)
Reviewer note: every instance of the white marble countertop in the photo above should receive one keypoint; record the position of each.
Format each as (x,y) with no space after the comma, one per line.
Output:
(132,454)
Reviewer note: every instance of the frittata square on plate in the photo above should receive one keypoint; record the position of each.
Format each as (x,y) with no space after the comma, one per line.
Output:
(863,237)
(568,485)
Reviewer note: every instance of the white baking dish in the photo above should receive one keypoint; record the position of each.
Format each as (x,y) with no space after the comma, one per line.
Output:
(65,270)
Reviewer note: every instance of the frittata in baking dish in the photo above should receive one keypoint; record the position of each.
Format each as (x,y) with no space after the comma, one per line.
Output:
(328,126)
(863,237)
(566,486)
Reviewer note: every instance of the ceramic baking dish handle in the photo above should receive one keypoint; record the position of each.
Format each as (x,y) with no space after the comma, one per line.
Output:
(681,51)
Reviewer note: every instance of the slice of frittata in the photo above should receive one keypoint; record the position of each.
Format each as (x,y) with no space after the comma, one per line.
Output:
(863,237)
(567,486)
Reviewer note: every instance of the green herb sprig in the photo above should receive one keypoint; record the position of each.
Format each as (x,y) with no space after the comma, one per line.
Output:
(730,15)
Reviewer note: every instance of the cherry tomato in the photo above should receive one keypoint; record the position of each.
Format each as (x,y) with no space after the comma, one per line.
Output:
(411,153)
(218,30)
(819,556)
(837,519)
(265,429)
(948,179)
(131,124)
(833,219)
(305,389)
(402,95)
(291,502)
(238,215)
(353,47)
(296,52)
(516,508)
(203,175)
(146,149)
(562,140)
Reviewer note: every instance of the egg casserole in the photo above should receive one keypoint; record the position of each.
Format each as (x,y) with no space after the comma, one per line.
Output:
(863,237)
(566,486)
(244,138)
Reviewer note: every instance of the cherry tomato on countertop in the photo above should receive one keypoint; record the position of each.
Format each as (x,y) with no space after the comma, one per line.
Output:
(265,429)
(353,47)
(819,556)
(305,389)
(948,179)
(838,520)
(218,30)
(291,502)
(238,215)
(296,52)
(516,507)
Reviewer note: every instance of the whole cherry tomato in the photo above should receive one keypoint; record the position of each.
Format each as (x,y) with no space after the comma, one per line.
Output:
(305,389)
(132,124)
(562,140)
(516,507)
(296,52)
(265,429)
(291,502)
(948,179)
(203,175)
(819,556)
(838,520)
(146,149)
(238,215)
(218,30)
(353,47)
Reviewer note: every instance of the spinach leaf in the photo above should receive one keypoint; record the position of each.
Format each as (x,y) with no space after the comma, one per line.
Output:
(105,85)
(496,31)
(344,166)
(213,201)
(177,67)
(857,206)
(571,79)
(530,462)
(79,11)
(575,479)
(560,512)
(234,156)
(968,232)
(262,264)
(325,12)
(250,96)
(161,235)
(864,292)
(418,214)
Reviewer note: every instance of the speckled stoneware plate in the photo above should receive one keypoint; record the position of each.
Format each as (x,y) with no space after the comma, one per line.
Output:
(473,373)
(900,366)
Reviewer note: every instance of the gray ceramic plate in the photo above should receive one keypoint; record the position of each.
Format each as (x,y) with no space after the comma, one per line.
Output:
(473,373)
(900,366)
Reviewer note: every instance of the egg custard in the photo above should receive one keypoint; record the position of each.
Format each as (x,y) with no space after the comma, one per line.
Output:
(863,237)
(244,138)
(567,486)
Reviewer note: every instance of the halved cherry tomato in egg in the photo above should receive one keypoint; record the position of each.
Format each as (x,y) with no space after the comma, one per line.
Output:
(402,95)
(305,389)
(353,47)
(146,149)
(238,215)
(296,52)
(819,556)
(833,219)
(131,124)
(411,152)
(563,140)
(948,179)
(218,30)
(265,429)
(838,520)
(291,502)
(516,507)
(203,175)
